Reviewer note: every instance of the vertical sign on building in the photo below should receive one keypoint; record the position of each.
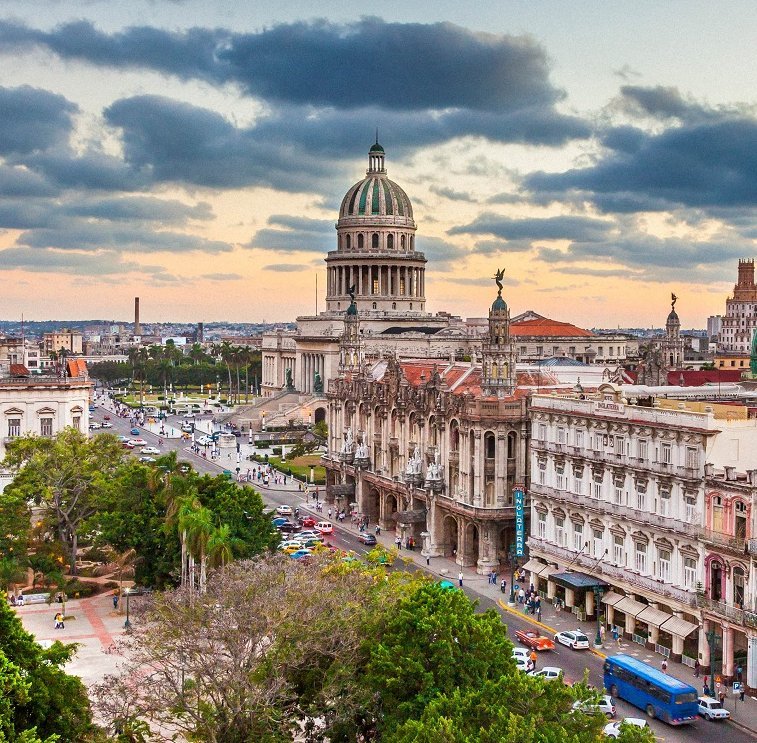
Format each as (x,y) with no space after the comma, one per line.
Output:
(520,521)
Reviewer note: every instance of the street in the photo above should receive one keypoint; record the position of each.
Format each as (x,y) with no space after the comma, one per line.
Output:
(574,663)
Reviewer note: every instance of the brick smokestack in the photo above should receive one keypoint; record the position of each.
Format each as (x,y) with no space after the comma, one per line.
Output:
(137,326)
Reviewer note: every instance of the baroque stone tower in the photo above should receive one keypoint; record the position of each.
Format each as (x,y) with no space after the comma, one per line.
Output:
(350,357)
(498,377)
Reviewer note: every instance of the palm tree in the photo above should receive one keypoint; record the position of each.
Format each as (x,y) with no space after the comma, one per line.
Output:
(226,351)
(199,525)
(220,546)
(124,562)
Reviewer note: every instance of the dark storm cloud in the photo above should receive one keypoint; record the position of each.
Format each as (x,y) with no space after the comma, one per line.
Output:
(442,255)
(409,66)
(33,120)
(706,164)
(661,102)
(140,209)
(20,182)
(534,228)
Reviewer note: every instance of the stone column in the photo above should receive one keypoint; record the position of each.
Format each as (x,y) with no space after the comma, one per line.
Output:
(610,613)
(477,468)
(728,652)
(570,598)
(589,604)
(677,649)
(431,546)
(487,550)
(751,662)
(551,586)
(500,471)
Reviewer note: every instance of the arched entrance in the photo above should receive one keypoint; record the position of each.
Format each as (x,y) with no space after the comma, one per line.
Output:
(471,545)
(372,506)
(390,508)
(320,415)
(450,544)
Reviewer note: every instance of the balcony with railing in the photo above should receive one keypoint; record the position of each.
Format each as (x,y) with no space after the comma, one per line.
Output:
(613,573)
(482,513)
(598,505)
(725,541)
(735,614)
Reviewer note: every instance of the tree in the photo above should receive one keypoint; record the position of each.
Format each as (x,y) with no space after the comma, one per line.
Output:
(242,662)
(38,700)
(63,476)
(124,563)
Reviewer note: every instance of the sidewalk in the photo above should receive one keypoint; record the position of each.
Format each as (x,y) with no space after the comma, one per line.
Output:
(553,621)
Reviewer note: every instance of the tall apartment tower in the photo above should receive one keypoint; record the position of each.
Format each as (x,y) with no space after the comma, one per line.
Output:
(137,326)
(740,320)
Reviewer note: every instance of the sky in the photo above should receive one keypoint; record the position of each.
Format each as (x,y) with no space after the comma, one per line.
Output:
(195,154)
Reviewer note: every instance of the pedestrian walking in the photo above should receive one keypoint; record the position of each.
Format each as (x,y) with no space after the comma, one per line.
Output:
(428,561)
(741,694)
(538,613)
(616,636)
(460,579)
(697,668)
(378,530)
(739,671)
(115,601)
(398,543)
(533,659)
(664,665)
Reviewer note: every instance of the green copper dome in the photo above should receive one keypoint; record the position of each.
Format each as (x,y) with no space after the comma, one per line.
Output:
(376,148)
(352,309)
(499,304)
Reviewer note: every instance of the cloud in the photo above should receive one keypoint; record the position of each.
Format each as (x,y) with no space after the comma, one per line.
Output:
(411,66)
(482,281)
(222,276)
(33,120)
(21,182)
(496,247)
(300,234)
(141,209)
(536,228)
(442,255)
(68,262)
(285,267)
(669,103)
(705,164)
(451,193)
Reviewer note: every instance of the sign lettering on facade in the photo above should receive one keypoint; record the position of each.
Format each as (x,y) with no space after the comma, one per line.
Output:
(520,521)
(608,406)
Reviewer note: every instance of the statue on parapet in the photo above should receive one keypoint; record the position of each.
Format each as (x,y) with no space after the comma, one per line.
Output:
(348,441)
(498,279)
(317,384)
(289,380)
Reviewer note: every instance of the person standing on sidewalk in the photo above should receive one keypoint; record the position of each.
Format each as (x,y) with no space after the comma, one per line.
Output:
(460,579)
(696,668)
(532,657)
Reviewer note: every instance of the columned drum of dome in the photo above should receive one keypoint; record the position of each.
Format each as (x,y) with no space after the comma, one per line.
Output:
(375,251)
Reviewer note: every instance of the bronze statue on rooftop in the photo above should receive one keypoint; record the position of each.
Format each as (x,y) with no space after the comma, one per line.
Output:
(498,278)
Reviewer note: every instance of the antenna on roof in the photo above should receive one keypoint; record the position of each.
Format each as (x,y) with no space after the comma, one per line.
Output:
(376,135)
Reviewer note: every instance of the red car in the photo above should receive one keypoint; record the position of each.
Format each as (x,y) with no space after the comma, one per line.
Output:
(534,640)
(107,418)
(308,522)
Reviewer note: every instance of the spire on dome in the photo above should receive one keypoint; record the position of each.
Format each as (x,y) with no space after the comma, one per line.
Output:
(376,158)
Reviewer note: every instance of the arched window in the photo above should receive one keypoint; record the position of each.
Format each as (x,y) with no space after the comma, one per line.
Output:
(375,241)
(394,305)
(740,519)
(402,242)
(390,242)
(374,305)
(717,513)
(411,305)
(738,586)
(489,445)
(512,444)
(348,241)
(360,242)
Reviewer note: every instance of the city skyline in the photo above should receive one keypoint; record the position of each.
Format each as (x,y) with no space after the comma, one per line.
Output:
(195,155)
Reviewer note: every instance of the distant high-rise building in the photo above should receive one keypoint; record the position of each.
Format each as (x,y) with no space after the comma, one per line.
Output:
(740,319)
(137,325)
(714,324)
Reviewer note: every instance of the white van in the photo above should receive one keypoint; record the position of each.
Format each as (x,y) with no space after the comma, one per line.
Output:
(324,527)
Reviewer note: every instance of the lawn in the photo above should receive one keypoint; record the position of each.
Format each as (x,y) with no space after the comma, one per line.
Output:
(300,467)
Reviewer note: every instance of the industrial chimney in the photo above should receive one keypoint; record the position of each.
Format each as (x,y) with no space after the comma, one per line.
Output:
(137,326)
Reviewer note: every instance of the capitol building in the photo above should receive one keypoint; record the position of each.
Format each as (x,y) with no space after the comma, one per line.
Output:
(376,259)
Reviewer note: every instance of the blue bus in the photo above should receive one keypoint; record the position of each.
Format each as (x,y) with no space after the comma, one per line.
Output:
(650,689)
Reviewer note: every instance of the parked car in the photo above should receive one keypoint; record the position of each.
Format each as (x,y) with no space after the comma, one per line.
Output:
(279,521)
(187,427)
(612,729)
(307,521)
(574,639)
(106,417)
(188,415)
(94,426)
(288,527)
(325,527)
(138,442)
(523,653)
(606,706)
(150,450)
(712,709)
(367,538)
(135,432)
(284,510)
(106,424)
(147,460)
(534,640)
(521,664)
(548,672)
(300,554)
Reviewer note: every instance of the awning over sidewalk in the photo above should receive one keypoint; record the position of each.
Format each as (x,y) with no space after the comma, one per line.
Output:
(534,566)
(653,616)
(548,571)
(578,581)
(611,598)
(629,606)
(679,627)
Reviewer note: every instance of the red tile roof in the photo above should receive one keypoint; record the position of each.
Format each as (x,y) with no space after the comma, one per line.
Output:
(19,370)
(76,367)
(544,327)
(697,377)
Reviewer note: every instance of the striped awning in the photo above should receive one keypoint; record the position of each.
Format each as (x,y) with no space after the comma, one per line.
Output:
(653,616)
(611,598)
(548,570)
(679,627)
(629,606)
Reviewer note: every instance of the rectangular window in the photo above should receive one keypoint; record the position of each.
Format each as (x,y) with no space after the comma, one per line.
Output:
(596,487)
(14,427)
(599,543)
(523,350)
(664,502)
(542,471)
(46,426)
(560,532)
(618,493)
(539,350)
(542,526)
(690,572)
(618,550)
(641,496)
(663,565)
(571,350)
(580,438)
(560,476)
(666,453)
(76,423)
(692,457)
(555,350)
(610,350)
(691,508)
(641,449)
(578,537)
(641,557)
(620,445)
(542,432)
(578,481)
(561,435)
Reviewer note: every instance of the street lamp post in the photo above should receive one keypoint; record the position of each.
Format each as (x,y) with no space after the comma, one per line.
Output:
(513,567)
(712,642)
(127,623)
(597,603)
